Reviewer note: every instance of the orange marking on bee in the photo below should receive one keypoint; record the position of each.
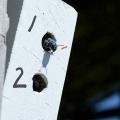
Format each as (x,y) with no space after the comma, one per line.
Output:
(64,47)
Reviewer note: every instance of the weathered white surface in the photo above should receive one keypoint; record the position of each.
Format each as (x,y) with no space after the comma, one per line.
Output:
(4,21)
(58,18)
(2,64)
(4,24)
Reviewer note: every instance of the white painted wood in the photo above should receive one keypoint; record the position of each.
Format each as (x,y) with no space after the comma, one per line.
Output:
(2,65)
(58,18)
(4,24)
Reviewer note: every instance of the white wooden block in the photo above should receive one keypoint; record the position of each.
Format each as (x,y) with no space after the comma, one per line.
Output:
(4,25)
(2,64)
(52,16)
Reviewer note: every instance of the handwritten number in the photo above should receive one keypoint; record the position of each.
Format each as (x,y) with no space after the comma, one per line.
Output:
(29,30)
(16,85)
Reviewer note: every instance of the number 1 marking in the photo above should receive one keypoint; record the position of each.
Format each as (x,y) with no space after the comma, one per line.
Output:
(29,30)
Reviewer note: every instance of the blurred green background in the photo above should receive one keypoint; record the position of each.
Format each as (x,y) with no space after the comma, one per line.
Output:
(94,66)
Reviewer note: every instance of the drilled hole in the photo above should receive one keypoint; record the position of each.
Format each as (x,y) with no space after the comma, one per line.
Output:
(49,43)
(39,82)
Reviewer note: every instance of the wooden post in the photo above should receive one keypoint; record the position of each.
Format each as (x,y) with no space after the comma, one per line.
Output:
(39,60)
(4,24)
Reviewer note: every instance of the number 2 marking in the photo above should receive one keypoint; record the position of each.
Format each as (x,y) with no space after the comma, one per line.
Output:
(16,85)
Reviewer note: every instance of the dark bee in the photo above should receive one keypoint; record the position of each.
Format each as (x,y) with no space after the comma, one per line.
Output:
(49,43)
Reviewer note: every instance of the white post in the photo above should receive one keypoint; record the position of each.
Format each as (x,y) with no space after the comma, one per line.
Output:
(39,60)
(4,24)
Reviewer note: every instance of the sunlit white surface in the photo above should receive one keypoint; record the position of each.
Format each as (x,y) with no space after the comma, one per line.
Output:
(58,18)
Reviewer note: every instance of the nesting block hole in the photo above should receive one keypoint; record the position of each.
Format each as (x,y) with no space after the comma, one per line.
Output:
(39,82)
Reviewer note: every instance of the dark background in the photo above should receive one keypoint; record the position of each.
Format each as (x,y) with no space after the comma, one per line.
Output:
(94,67)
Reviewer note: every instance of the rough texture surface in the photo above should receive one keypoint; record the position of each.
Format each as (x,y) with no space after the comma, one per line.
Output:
(4,24)
(59,19)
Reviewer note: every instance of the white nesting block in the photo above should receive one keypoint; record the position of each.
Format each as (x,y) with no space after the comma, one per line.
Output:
(27,58)
(4,25)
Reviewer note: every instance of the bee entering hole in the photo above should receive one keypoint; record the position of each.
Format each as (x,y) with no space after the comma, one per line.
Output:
(49,43)
(39,82)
